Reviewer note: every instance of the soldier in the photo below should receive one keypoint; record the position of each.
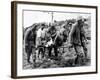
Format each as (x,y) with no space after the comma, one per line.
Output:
(30,41)
(76,37)
(53,34)
(38,39)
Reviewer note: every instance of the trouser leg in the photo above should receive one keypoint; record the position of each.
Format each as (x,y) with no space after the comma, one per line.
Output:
(84,49)
(55,51)
(29,54)
(50,49)
(78,51)
(34,57)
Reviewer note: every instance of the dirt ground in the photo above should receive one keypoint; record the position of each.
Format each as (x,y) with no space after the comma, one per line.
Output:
(64,59)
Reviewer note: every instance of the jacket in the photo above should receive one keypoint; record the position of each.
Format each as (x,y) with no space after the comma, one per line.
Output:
(74,35)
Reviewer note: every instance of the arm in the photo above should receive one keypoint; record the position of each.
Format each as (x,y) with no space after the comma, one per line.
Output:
(83,34)
(72,32)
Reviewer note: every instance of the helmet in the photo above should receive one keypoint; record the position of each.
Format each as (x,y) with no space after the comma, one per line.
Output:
(79,18)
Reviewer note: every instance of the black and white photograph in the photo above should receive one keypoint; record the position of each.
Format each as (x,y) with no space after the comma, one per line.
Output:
(54,39)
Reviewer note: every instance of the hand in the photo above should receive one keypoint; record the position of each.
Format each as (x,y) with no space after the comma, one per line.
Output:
(70,45)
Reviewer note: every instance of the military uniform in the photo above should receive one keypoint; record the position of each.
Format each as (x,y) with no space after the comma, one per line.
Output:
(76,38)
